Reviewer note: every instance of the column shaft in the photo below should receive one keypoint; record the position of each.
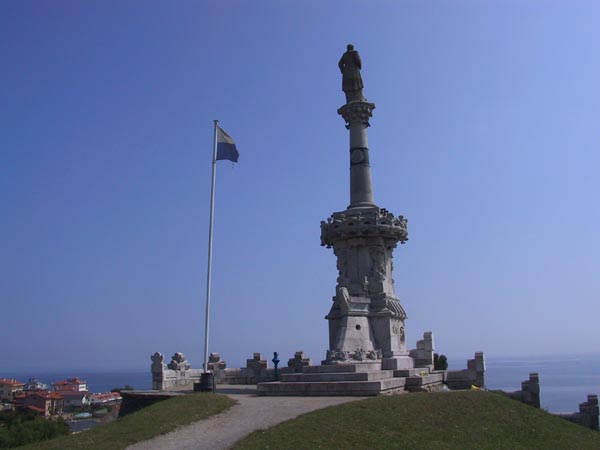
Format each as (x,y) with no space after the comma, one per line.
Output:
(361,188)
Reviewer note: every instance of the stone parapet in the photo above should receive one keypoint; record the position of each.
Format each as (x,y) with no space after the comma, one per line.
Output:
(179,374)
(215,362)
(423,354)
(588,415)
(184,377)
(298,362)
(473,375)
(530,391)
(529,394)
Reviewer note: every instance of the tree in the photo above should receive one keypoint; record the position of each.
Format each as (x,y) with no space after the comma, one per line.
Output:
(440,362)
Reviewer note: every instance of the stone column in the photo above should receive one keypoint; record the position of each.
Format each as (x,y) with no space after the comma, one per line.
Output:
(357,114)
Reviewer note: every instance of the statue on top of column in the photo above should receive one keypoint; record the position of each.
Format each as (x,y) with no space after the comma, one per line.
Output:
(352,84)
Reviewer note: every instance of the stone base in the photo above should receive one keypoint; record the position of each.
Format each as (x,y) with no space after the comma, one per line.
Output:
(361,379)
(397,363)
(336,388)
(428,382)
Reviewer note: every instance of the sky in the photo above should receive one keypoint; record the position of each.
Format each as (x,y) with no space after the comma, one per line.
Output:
(485,137)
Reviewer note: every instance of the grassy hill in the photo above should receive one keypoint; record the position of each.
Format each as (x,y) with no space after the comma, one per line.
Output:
(446,420)
(146,423)
(429,421)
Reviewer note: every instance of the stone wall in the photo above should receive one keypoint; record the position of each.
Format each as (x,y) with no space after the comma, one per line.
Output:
(179,375)
(588,414)
(530,391)
(530,394)
(136,400)
(176,375)
(473,375)
(423,354)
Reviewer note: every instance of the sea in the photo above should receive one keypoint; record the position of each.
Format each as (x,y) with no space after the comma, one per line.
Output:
(565,381)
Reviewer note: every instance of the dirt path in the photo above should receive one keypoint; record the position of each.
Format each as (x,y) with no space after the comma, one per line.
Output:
(251,413)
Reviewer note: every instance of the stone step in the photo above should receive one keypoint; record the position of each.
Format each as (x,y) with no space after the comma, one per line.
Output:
(432,381)
(411,372)
(350,388)
(337,376)
(332,368)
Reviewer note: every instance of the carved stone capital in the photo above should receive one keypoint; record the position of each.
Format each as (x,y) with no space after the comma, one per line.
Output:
(357,112)
(373,223)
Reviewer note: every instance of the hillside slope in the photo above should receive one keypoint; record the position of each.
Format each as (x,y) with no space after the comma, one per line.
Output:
(444,420)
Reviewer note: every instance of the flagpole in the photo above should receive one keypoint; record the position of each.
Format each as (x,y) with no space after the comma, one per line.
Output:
(210,241)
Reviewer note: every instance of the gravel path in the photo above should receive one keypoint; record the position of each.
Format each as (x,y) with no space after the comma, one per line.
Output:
(251,413)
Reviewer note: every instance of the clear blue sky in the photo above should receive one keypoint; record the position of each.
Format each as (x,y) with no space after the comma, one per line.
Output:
(485,137)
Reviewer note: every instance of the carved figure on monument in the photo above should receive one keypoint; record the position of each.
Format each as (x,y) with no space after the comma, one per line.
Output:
(378,271)
(341,267)
(350,66)
(343,299)
(359,354)
(336,355)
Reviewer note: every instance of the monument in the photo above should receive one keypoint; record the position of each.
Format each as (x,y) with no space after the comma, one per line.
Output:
(367,352)
(366,320)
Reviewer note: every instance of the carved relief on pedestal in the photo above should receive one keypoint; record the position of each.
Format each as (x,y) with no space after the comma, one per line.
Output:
(399,330)
(338,356)
(342,279)
(343,299)
(378,272)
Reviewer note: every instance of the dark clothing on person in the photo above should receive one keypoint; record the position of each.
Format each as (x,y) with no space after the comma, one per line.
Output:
(350,66)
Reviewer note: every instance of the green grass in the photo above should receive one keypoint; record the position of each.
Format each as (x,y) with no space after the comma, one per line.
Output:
(146,423)
(427,421)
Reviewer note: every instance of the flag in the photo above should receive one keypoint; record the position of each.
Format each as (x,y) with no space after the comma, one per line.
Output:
(226,148)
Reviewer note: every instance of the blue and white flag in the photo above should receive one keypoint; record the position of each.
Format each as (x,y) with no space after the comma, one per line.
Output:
(226,148)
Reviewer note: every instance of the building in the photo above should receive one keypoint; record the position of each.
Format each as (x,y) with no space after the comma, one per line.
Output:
(9,387)
(76,382)
(44,403)
(35,385)
(109,398)
(73,397)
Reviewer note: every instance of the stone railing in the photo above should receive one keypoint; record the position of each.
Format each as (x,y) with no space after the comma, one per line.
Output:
(530,394)
(178,374)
